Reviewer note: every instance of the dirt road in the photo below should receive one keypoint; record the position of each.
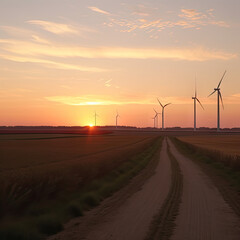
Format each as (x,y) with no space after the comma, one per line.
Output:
(131,220)
(203,214)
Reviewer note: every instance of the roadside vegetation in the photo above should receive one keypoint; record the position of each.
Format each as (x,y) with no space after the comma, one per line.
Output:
(226,143)
(37,202)
(222,168)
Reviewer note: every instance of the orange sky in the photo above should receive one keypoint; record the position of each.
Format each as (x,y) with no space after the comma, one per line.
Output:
(60,61)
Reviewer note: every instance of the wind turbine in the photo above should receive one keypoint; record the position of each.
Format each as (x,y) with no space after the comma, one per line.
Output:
(95,117)
(117,116)
(195,107)
(154,121)
(163,106)
(156,117)
(219,97)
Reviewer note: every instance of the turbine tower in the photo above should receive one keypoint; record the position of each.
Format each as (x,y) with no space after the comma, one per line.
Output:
(95,118)
(219,97)
(195,98)
(163,106)
(117,116)
(154,121)
(156,117)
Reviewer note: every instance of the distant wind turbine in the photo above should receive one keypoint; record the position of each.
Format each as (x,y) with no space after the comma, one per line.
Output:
(117,116)
(154,121)
(156,117)
(219,97)
(95,117)
(163,106)
(195,98)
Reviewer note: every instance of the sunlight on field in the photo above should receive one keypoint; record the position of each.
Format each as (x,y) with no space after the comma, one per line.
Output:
(226,143)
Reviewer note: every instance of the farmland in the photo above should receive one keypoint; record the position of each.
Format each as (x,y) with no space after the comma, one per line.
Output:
(46,149)
(40,171)
(113,183)
(229,144)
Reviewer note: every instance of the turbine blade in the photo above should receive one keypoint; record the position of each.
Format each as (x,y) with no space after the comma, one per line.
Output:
(200,103)
(195,87)
(166,104)
(221,99)
(221,79)
(159,102)
(212,93)
(154,110)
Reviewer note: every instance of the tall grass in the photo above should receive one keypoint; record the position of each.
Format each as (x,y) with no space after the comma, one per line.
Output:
(228,160)
(24,186)
(225,164)
(56,199)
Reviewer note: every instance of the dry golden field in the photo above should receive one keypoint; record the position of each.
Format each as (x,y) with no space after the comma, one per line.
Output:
(229,144)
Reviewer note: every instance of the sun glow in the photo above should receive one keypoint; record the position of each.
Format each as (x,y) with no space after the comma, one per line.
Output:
(90,125)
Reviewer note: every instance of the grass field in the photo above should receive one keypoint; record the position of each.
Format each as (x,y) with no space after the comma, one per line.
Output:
(47,176)
(229,144)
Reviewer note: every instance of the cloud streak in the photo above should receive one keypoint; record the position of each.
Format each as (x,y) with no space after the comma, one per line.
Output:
(87,100)
(53,27)
(98,10)
(51,64)
(25,48)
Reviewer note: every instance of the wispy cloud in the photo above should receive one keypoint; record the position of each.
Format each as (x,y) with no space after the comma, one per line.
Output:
(53,27)
(93,100)
(125,99)
(186,19)
(108,83)
(196,18)
(25,48)
(51,64)
(192,14)
(38,39)
(98,10)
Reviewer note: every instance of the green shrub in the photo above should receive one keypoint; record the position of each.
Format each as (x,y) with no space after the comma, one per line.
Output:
(90,199)
(75,209)
(49,224)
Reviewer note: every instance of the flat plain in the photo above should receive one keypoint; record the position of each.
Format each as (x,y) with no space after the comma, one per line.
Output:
(229,144)
(160,192)
(29,150)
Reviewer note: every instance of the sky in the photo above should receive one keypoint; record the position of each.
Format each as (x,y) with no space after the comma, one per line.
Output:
(62,60)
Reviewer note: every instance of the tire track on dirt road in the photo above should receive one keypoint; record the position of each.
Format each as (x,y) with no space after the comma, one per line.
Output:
(163,224)
(203,215)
